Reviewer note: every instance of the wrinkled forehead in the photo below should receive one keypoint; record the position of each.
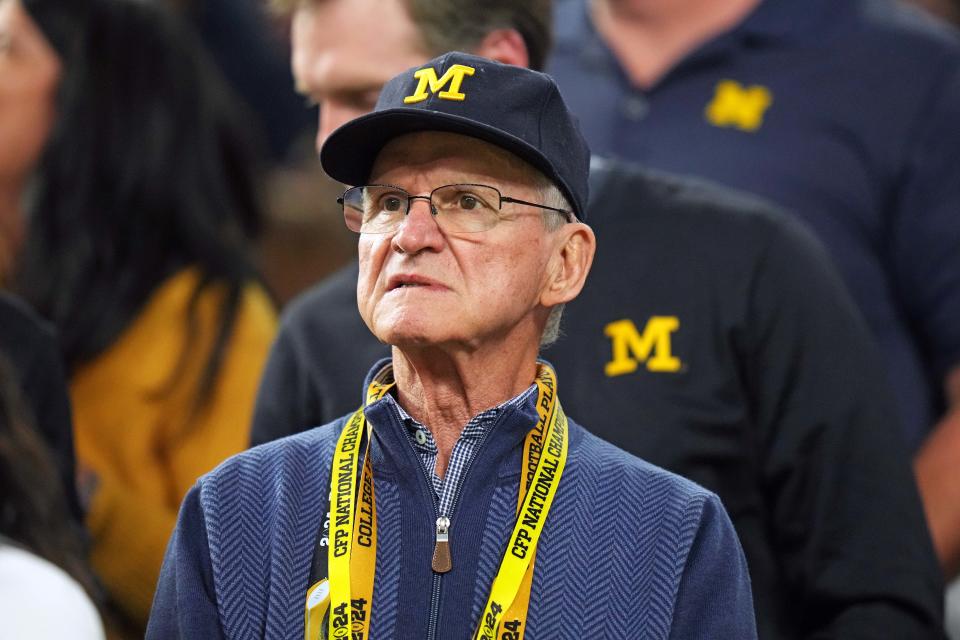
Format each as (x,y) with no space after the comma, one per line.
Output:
(453,157)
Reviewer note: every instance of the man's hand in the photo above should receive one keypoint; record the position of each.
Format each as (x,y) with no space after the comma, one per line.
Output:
(937,467)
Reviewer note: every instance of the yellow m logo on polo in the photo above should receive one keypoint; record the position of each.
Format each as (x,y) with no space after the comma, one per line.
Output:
(428,80)
(630,347)
(734,105)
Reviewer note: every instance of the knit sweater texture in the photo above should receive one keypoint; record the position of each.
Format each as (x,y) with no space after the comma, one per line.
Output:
(628,550)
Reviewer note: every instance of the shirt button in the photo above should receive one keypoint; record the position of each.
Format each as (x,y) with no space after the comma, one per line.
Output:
(420,436)
(635,107)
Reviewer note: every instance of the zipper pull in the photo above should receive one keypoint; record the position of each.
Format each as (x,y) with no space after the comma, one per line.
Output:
(441,553)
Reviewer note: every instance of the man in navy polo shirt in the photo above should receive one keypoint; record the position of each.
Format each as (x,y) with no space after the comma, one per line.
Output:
(848,114)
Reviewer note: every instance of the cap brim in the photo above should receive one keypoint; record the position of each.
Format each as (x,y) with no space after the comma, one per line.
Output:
(349,152)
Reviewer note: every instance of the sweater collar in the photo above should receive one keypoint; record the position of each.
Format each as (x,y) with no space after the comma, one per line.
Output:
(392,437)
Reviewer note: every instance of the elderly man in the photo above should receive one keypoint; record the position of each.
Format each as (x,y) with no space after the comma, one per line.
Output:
(473,185)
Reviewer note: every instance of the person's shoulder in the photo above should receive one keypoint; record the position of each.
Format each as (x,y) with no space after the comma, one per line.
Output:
(897,44)
(322,326)
(261,483)
(681,193)
(29,585)
(325,311)
(272,463)
(331,296)
(903,28)
(693,209)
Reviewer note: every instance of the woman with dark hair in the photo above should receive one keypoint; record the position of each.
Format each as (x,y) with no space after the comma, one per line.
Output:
(140,211)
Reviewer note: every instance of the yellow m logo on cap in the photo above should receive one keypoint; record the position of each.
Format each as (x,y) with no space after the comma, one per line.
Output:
(428,80)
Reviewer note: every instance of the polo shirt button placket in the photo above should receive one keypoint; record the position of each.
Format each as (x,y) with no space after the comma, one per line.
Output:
(635,106)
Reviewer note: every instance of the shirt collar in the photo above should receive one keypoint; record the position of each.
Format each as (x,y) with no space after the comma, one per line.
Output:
(392,438)
(382,372)
(474,429)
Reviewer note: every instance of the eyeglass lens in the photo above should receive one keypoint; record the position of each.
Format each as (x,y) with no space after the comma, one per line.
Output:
(463,208)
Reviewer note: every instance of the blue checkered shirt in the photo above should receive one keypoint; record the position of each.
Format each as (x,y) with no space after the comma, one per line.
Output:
(423,443)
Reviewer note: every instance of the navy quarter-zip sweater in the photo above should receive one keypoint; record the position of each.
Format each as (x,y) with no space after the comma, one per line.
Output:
(628,550)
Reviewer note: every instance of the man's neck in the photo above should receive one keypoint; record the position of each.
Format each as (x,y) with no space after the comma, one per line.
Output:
(444,391)
(649,37)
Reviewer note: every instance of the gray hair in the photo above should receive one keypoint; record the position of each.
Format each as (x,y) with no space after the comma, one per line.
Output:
(551,196)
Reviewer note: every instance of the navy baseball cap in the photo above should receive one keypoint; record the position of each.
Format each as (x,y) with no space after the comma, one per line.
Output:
(514,108)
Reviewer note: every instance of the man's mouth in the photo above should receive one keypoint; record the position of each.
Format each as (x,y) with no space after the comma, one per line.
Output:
(410,281)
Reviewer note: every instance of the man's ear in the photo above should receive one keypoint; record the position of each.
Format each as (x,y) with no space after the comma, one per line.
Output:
(506,46)
(570,264)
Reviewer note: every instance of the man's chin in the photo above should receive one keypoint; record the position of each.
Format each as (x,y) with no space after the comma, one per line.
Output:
(408,337)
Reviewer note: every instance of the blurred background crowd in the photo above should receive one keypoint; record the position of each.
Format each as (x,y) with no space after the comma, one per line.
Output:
(161,204)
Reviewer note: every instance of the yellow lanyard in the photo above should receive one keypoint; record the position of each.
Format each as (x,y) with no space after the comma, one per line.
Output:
(352,539)
(545,455)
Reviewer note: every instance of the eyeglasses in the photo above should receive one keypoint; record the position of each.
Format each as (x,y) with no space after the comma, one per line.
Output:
(460,208)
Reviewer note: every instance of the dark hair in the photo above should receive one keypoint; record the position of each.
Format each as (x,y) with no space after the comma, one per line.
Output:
(461,25)
(33,509)
(146,172)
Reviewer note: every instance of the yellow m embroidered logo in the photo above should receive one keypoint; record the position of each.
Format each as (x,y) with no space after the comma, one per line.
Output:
(428,80)
(630,347)
(734,105)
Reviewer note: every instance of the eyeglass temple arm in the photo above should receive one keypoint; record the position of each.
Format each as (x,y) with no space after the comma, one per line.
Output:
(534,204)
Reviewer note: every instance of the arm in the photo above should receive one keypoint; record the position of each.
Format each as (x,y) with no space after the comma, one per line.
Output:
(926,257)
(845,516)
(714,600)
(936,467)
(185,604)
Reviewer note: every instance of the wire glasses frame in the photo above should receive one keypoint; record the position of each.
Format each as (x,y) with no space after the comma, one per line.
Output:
(461,208)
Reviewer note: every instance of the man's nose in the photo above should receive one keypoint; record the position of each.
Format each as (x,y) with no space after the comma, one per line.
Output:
(419,230)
